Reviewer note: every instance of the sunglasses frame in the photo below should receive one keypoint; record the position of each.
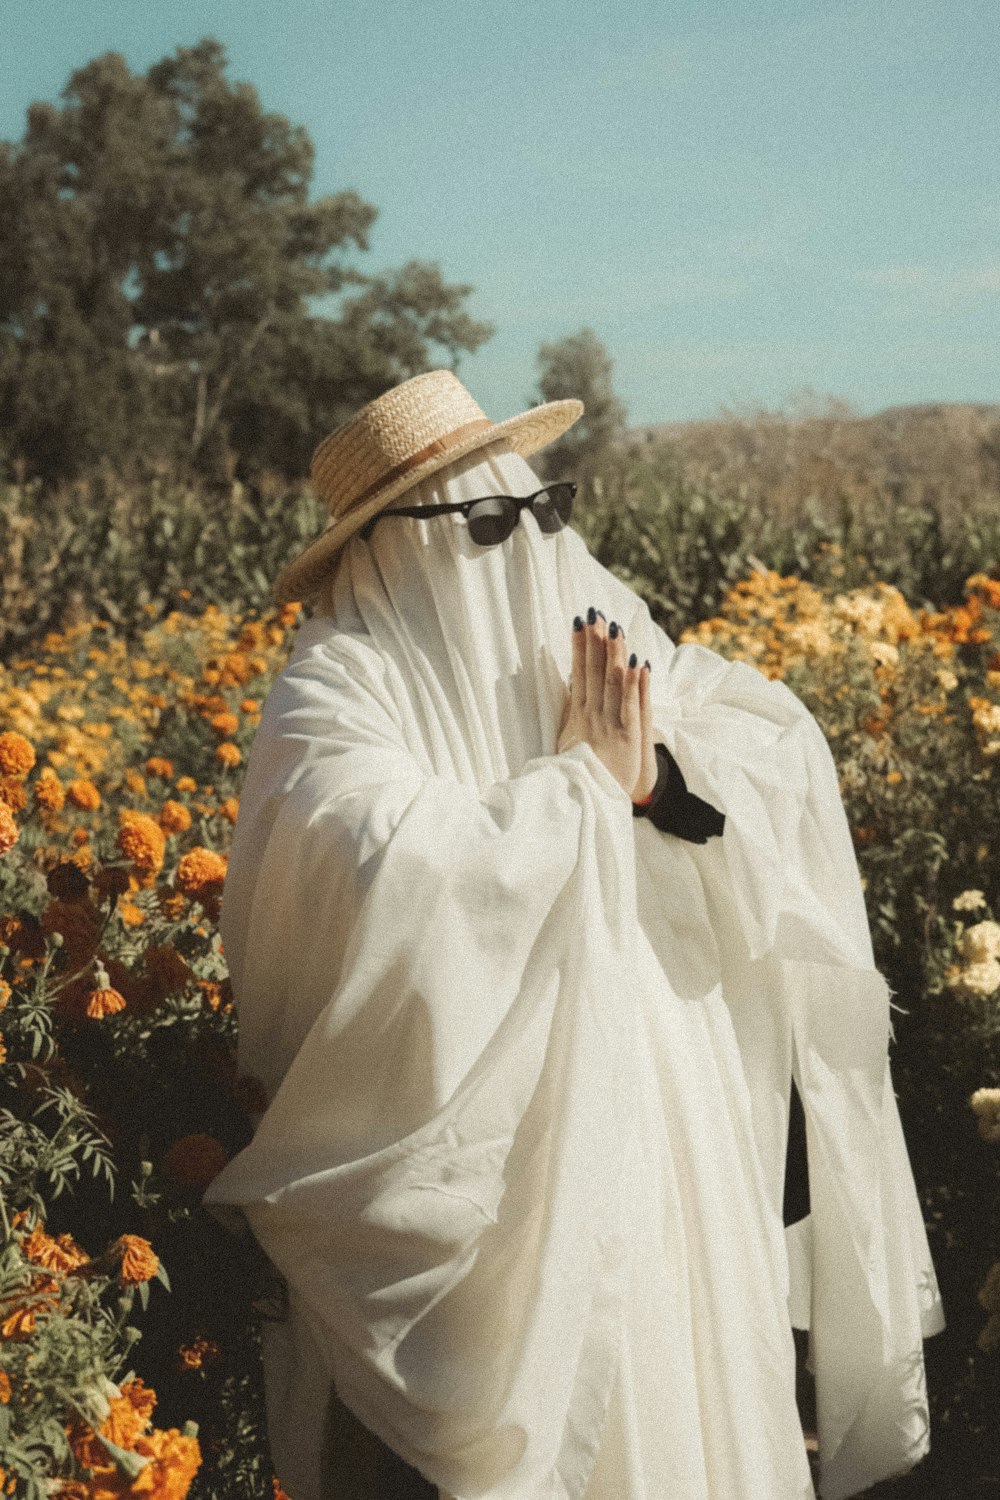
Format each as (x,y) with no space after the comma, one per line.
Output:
(463,507)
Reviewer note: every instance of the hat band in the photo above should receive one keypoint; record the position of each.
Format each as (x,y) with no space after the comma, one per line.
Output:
(434,447)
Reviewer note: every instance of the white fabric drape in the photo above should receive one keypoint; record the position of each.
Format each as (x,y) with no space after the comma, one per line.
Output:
(529,1059)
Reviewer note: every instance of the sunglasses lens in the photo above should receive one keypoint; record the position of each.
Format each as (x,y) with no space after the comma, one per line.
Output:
(492,520)
(554,507)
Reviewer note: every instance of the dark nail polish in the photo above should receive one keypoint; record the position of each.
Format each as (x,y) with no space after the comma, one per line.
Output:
(647,664)
(613,630)
(577,623)
(591,615)
(603,616)
(633,660)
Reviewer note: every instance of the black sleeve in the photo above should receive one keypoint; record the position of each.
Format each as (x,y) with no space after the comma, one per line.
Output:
(676,810)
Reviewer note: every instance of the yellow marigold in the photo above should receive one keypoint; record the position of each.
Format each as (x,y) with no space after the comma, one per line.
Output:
(228,753)
(104,1002)
(135,783)
(229,808)
(9,831)
(49,790)
(186,784)
(174,817)
(83,793)
(194,1160)
(139,1260)
(225,723)
(141,839)
(158,765)
(200,868)
(17,754)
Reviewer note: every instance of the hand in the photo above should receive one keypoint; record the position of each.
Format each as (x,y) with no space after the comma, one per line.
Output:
(603,705)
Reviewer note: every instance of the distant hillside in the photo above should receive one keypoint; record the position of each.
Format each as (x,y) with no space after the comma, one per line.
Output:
(945,454)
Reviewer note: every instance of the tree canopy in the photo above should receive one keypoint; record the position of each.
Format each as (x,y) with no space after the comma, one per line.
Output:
(580,365)
(171,296)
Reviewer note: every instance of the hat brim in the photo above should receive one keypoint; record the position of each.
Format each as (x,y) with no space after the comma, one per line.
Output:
(526,433)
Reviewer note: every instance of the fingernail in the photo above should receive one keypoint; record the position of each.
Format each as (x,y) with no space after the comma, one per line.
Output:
(633,660)
(603,616)
(592,615)
(577,622)
(613,630)
(650,668)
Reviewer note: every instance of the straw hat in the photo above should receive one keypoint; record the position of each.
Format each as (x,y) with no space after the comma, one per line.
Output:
(391,444)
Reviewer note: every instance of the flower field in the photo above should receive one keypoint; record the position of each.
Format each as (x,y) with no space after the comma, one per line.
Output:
(129,1362)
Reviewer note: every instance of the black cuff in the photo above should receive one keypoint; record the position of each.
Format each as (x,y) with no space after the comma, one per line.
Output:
(674,809)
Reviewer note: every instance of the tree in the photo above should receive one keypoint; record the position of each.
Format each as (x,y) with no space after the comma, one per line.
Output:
(168,289)
(580,366)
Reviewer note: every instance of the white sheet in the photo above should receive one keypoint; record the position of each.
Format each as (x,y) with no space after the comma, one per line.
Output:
(530,1058)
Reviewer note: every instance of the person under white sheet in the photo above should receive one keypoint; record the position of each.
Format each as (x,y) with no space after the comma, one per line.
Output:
(529,1056)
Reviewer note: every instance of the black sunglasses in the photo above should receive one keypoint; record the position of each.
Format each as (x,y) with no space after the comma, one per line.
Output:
(492,518)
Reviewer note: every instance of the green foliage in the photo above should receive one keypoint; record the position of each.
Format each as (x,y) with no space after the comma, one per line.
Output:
(170,292)
(579,367)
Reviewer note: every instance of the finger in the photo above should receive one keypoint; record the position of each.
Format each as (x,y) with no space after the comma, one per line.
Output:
(645,710)
(631,718)
(595,667)
(615,668)
(578,677)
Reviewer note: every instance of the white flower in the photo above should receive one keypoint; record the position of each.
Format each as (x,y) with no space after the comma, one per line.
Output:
(969,901)
(979,979)
(948,680)
(981,944)
(986,1104)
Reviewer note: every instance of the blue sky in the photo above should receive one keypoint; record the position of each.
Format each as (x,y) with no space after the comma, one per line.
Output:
(744,201)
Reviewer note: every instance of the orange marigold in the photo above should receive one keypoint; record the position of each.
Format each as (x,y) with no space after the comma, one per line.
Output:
(131,914)
(158,765)
(83,793)
(229,808)
(49,790)
(17,754)
(139,1259)
(167,968)
(200,869)
(250,705)
(135,782)
(186,784)
(174,1461)
(201,1351)
(228,753)
(12,792)
(104,1002)
(194,1160)
(141,839)
(58,1253)
(225,723)
(174,817)
(5,1389)
(9,831)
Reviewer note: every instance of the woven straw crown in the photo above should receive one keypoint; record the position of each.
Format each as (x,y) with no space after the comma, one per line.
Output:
(391,444)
